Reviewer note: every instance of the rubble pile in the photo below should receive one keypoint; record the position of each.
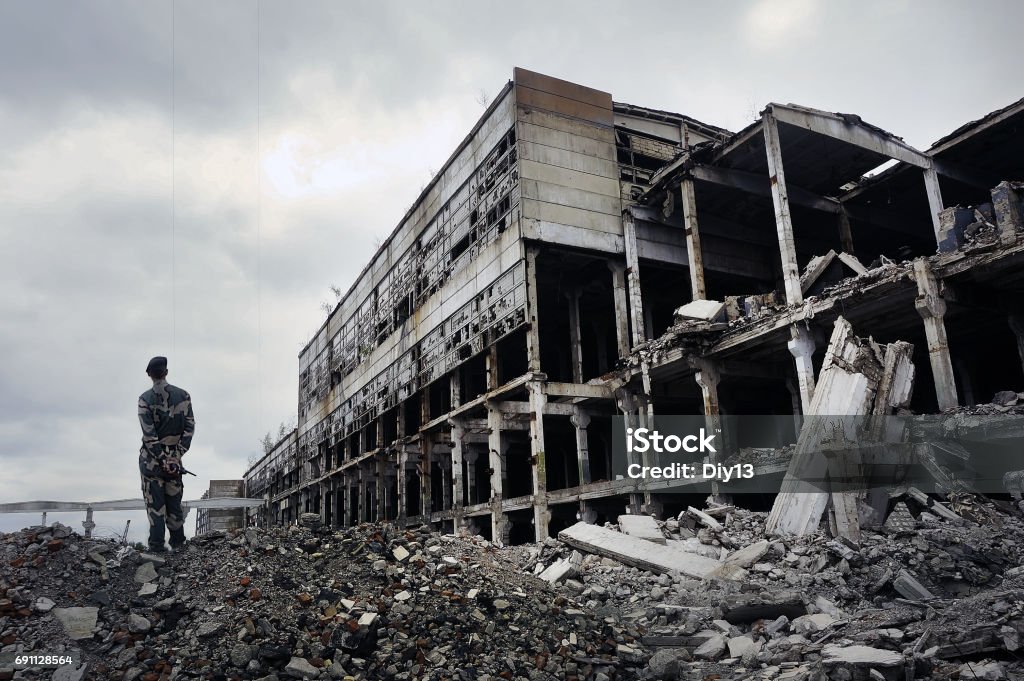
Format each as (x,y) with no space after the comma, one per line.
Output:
(922,597)
(928,594)
(371,602)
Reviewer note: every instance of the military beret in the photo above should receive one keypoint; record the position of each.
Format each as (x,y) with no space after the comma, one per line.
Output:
(156,365)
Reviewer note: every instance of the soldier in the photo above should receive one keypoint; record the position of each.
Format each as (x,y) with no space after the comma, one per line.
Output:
(165,413)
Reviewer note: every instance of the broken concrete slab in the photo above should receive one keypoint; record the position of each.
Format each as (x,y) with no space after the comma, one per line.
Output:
(728,572)
(636,552)
(748,555)
(910,588)
(936,507)
(860,656)
(557,571)
(738,645)
(711,649)
(812,624)
(78,622)
(829,608)
(838,265)
(641,527)
(704,310)
(705,519)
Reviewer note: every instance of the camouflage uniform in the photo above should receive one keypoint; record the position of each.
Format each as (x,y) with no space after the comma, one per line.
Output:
(165,413)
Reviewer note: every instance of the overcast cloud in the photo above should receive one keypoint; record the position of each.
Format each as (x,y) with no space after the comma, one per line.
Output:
(287,139)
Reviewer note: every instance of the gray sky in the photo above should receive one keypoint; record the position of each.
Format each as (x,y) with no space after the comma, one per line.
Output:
(287,139)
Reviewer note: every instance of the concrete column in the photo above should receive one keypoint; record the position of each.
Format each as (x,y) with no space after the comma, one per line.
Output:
(693,250)
(538,402)
(587,512)
(496,459)
(424,470)
(801,345)
(575,340)
(364,512)
(402,472)
(470,455)
(458,454)
(533,327)
(783,221)
(381,491)
(445,464)
(636,305)
(708,377)
(580,420)
(455,387)
(931,187)
(628,404)
(621,307)
(491,365)
(1016,321)
(845,233)
(932,308)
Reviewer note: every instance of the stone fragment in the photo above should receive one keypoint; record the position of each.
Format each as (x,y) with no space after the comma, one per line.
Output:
(400,553)
(712,649)
(241,654)
(749,554)
(148,589)
(738,645)
(137,624)
(145,573)
(829,608)
(43,604)
(300,668)
(209,629)
(812,624)
(78,622)
(664,665)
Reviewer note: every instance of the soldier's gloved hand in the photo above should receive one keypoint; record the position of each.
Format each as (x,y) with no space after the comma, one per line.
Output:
(172,466)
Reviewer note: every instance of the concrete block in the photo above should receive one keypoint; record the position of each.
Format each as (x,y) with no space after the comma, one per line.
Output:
(641,527)
(705,310)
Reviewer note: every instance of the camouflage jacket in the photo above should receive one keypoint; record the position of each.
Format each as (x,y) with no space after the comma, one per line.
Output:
(165,414)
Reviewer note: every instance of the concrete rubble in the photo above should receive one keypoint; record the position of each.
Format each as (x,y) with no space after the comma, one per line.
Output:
(375,602)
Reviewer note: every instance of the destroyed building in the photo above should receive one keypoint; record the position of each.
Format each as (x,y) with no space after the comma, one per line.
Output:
(578,259)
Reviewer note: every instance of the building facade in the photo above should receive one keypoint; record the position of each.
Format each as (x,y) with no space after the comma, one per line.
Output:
(471,374)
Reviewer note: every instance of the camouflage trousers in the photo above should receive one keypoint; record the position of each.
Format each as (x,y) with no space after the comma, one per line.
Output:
(163,502)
